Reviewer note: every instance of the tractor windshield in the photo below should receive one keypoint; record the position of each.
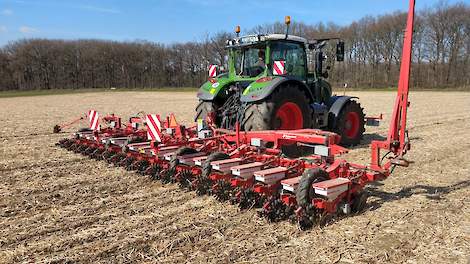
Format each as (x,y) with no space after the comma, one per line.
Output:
(250,61)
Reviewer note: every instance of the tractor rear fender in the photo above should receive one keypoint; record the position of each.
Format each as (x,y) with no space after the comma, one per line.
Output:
(209,90)
(335,104)
(258,94)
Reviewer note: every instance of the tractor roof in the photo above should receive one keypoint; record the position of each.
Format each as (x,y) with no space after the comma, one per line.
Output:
(253,39)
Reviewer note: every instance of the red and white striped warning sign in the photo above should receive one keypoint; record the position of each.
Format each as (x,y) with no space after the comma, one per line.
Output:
(278,67)
(212,71)
(154,127)
(93,117)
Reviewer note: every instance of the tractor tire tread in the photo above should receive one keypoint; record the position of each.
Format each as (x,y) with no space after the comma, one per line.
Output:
(349,107)
(261,115)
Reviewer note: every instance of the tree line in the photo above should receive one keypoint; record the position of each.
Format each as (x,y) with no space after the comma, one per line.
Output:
(441,55)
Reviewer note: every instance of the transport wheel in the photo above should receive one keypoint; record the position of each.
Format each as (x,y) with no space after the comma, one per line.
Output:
(286,108)
(185,180)
(203,108)
(207,168)
(359,202)
(204,184)
(304,195)
(350,124)
(181,151)
(305,192)
(169,175)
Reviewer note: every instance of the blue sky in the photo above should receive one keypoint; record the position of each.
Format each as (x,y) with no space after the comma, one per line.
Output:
(170,21)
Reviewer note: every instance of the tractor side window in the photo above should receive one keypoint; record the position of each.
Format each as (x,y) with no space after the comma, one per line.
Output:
(253,62)
(294,56)
(238,58)
(249,61)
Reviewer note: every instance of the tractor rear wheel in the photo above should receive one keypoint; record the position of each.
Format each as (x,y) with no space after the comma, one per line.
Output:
(286,108)
(203,108)
(350,124)
(305,192)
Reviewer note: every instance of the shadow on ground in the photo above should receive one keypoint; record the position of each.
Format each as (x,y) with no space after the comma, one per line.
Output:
(431,192)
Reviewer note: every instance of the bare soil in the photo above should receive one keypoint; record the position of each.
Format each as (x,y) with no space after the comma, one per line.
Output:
(56,206)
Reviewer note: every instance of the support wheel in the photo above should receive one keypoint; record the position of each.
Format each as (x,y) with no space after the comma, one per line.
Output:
(359,202)
(204,184)
(170,173)
(305,193)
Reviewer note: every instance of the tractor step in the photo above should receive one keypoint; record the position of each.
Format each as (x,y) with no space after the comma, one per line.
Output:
(270,176)
(225,165)
(331,188)
(246,171)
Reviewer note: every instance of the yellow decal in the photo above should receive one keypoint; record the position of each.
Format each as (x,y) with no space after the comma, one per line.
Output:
(247,90)
(212,91)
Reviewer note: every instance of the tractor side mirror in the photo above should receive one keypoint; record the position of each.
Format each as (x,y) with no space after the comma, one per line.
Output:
(319,62)
(340,51)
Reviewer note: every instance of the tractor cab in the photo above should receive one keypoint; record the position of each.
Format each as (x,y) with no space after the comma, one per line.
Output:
(267,55)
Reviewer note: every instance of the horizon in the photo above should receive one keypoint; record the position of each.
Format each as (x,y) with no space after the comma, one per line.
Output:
(117,20)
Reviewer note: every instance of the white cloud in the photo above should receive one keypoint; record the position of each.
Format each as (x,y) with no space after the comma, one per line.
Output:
(3,29)
(28,30)
(7,12)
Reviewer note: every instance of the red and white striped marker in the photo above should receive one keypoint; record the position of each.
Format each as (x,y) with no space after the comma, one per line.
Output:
(154,127)
(278,67)
(212,71)
(93,117)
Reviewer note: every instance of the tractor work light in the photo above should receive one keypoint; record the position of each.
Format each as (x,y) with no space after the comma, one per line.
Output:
(287,20)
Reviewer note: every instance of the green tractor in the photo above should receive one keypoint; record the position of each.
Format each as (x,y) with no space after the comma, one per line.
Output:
(277,81)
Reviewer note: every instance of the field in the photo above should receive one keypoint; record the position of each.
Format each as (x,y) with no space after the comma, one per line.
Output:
(60,206)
